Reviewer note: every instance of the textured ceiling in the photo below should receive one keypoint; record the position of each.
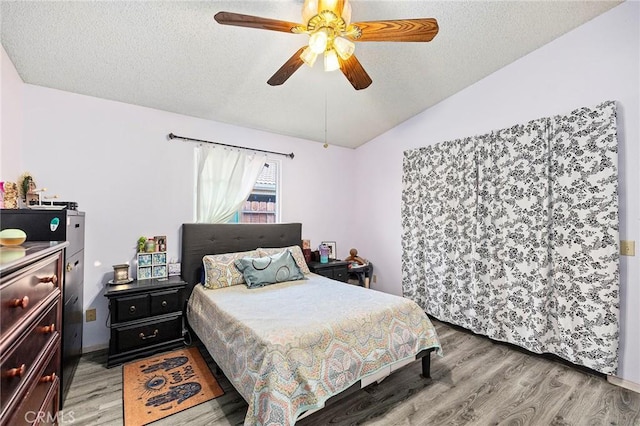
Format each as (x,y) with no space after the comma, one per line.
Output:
(173,56)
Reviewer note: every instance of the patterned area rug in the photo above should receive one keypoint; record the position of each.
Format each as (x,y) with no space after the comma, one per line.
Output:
(162,385)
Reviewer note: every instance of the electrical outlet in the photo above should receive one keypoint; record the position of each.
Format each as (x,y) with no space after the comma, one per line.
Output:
(91,315)
(627,248)
(375,278)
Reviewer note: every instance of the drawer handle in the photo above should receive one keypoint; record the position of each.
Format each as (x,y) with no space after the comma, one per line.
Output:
(132,309)
(48,329)
(48,379)
(155,334)
(22,303)
(52,279)
(69,267)
(16,372)
(164,303)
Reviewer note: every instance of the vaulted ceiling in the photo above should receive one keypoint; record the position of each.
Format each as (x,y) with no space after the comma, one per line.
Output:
(173,56)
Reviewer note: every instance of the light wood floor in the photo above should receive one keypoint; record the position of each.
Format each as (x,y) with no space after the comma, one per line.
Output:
(477,382)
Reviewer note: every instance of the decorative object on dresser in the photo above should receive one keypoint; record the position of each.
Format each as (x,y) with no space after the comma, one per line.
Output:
(335,269)
(60,225)
(146,318)
(120,274)
(30,343)
(152,265)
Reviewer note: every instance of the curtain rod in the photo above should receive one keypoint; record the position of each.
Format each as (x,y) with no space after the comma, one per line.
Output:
(172,136)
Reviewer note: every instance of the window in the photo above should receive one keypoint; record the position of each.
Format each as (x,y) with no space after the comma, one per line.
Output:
(262,205)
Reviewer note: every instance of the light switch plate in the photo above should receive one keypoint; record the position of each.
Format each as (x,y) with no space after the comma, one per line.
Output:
(627,248)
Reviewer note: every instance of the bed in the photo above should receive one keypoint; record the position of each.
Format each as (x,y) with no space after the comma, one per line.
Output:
(290,348)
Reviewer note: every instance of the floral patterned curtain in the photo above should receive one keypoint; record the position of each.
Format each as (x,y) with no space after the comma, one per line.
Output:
(514,234)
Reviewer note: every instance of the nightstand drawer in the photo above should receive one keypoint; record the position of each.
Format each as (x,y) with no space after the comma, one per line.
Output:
(166,302)
(325,272)
(149,333)
(131,307)
(341,273)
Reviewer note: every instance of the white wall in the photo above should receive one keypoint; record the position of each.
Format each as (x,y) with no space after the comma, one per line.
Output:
(11,123)
(595,62)
(114,159)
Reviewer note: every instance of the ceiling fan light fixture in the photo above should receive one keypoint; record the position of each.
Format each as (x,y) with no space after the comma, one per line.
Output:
(344,47)
(309,10)
(308,56)
(331,62)
(318,41)
(331,5)
(346,12)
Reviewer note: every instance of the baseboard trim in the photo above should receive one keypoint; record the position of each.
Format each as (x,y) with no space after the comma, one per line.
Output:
(95,348)
(624,383)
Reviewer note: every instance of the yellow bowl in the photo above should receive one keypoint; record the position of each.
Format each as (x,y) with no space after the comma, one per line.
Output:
(12,237)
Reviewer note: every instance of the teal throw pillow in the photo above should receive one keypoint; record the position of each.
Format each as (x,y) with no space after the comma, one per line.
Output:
(261,271)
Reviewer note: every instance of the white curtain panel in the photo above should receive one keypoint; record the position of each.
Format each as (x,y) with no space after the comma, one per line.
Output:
(224,181)
(514,235)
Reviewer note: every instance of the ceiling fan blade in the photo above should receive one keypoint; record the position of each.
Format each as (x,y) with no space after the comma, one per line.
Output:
(355,73)
(287,69)
(423,29)
(240,20)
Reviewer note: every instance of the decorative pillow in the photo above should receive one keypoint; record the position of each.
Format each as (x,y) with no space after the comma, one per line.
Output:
(296,252)
(220,271)
(261,271)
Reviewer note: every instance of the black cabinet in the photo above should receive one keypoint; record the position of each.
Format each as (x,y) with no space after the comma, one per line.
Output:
(60,225)
(146,317)
(335,269)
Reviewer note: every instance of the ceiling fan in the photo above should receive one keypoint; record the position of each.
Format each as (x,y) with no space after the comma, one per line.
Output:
(331,33)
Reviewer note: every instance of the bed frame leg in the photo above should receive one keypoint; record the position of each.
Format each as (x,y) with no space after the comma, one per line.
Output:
(426,366)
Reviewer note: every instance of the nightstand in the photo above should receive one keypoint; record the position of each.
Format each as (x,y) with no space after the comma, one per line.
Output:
(146,318)
(336,269)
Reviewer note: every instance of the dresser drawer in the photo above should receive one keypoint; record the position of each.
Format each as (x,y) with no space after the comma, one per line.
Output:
(148,333)
(341,273)
(24,292)
(131,307)
(21,360)
(34,404)
(75,233)
(166,302)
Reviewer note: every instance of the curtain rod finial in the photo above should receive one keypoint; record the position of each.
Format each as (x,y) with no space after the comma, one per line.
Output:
(171,136)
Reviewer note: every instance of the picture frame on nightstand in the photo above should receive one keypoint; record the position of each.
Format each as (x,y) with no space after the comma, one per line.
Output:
(333,251)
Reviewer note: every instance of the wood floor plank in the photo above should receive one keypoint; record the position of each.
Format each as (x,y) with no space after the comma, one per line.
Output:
(476,382)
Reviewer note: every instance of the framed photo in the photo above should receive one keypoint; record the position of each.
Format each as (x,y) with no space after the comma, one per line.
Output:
(333,252)
(161,242)
(174,269)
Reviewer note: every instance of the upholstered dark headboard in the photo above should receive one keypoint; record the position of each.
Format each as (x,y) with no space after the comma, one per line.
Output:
(199,239)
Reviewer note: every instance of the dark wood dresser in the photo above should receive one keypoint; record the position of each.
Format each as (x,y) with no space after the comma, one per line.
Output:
(60,225)
(31,279)
(146,318)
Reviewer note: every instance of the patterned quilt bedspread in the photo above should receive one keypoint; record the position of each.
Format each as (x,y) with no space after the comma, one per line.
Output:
(289,347)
